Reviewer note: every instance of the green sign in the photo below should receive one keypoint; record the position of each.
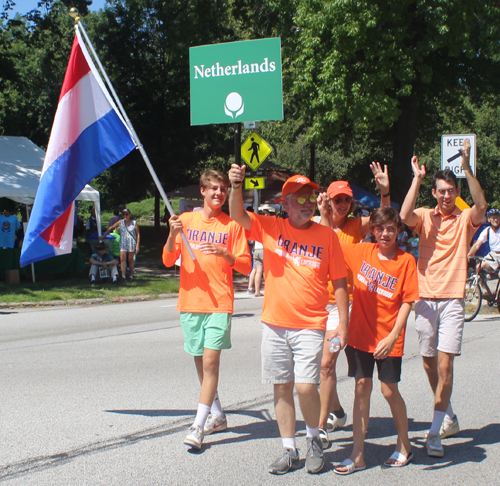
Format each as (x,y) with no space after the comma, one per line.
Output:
(236,82)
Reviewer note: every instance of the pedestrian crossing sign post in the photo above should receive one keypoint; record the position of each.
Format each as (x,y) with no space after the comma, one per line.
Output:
(255,150)
(255,183)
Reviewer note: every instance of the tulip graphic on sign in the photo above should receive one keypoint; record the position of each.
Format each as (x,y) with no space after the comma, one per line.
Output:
(234,105)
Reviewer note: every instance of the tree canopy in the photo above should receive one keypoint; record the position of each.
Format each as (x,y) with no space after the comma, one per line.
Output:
(362,81)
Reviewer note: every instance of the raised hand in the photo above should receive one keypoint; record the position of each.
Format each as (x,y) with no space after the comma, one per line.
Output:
(381,176)
(418,171)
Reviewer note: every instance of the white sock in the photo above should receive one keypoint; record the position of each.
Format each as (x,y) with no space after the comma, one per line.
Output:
(449,412)
(310,432)
(216,408)
(201,415)
(289,443)
(436,422)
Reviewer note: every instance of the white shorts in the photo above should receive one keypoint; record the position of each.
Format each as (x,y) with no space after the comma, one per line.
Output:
(492,259)
(333,315)
(291,354)
(440,325)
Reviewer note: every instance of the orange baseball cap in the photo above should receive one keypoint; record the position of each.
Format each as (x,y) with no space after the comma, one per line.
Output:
(295,183)
(339,187)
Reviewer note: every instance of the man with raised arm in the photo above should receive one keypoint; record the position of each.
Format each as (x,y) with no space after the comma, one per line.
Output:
(206,292)
(445,234)
(300,256)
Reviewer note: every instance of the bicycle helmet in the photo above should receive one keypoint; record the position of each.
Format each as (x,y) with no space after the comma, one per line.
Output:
(493,212)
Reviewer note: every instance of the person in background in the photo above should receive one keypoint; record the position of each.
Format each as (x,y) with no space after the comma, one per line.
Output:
(402,239)
(386,280)
(206,294)
(491,235)
(412,245)
(91,225)
(115,218)
(115,244)
(100,262)
(445,234)
(130,238)
(335,207)
(9,225)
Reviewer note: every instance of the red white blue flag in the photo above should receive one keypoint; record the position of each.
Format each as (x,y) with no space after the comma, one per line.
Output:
(88,136)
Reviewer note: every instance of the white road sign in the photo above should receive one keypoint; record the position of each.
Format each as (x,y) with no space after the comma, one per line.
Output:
(451,158)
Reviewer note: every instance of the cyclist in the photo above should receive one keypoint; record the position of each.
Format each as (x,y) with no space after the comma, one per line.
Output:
(491,261)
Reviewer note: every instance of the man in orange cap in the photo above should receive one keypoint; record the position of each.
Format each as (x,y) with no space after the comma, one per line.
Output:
(300,257)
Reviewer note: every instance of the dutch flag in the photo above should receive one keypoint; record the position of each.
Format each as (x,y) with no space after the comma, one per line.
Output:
(88,136)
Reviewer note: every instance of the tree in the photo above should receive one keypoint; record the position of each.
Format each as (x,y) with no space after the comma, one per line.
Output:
(382,66)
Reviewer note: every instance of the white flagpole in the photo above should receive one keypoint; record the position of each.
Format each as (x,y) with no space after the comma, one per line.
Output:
(78,25)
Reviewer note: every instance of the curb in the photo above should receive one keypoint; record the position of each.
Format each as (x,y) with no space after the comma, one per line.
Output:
(118,300)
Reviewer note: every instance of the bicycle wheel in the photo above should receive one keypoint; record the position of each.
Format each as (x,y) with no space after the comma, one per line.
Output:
(473,298)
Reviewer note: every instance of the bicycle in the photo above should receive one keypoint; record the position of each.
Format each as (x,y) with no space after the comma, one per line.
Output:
(476,287)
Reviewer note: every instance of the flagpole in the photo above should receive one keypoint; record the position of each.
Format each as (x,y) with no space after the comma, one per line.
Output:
(78,25)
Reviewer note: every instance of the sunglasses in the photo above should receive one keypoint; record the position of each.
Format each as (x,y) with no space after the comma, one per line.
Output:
(312,199)
(340,200)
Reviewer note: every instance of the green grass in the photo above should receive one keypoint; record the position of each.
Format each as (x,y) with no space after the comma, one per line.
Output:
(62,289)
(77,286)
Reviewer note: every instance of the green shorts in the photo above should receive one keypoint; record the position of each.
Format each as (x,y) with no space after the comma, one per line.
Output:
(211,331)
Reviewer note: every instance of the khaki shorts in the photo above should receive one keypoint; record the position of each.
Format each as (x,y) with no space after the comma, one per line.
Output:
(492,259)
(333,315)
(440,325)
(258,256)
(291,355)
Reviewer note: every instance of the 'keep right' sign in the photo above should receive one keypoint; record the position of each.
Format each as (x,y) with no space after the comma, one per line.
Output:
(451,158)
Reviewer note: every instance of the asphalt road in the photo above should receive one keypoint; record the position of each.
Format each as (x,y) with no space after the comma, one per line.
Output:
(103,395)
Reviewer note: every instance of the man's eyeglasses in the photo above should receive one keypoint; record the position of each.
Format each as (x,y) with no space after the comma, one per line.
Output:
(340,200)
(312,199)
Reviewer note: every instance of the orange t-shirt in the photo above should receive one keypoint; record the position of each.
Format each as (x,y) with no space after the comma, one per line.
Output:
(297,266)
(380,288)
(350,233)
(443,247)
(206,284)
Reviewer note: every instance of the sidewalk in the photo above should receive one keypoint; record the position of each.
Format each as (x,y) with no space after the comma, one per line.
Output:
(154,267)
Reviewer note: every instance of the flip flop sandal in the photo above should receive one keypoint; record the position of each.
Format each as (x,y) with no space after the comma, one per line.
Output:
(349,467)
(401,459)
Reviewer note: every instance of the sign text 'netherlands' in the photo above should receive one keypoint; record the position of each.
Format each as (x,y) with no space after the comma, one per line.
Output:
(236,82)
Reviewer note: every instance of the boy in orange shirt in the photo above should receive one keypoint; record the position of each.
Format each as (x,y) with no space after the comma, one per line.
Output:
(385,285)
(206,292)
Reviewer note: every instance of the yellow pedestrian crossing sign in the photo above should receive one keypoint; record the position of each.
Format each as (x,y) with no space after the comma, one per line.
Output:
(255,183)
(255,150)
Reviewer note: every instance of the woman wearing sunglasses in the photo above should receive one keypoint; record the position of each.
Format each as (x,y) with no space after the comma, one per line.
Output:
(335,206)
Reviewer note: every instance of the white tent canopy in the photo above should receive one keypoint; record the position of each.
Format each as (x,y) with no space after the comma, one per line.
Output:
(21,163)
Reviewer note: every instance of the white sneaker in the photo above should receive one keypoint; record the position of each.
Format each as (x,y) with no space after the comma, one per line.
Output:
(449,427)
(215,423)
(195,437)
(323,437)
(333,422)
(434,446)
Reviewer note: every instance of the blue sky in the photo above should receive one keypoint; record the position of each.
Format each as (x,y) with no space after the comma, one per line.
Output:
(24,6)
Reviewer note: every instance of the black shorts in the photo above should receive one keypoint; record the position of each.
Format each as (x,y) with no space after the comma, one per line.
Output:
(361,365)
